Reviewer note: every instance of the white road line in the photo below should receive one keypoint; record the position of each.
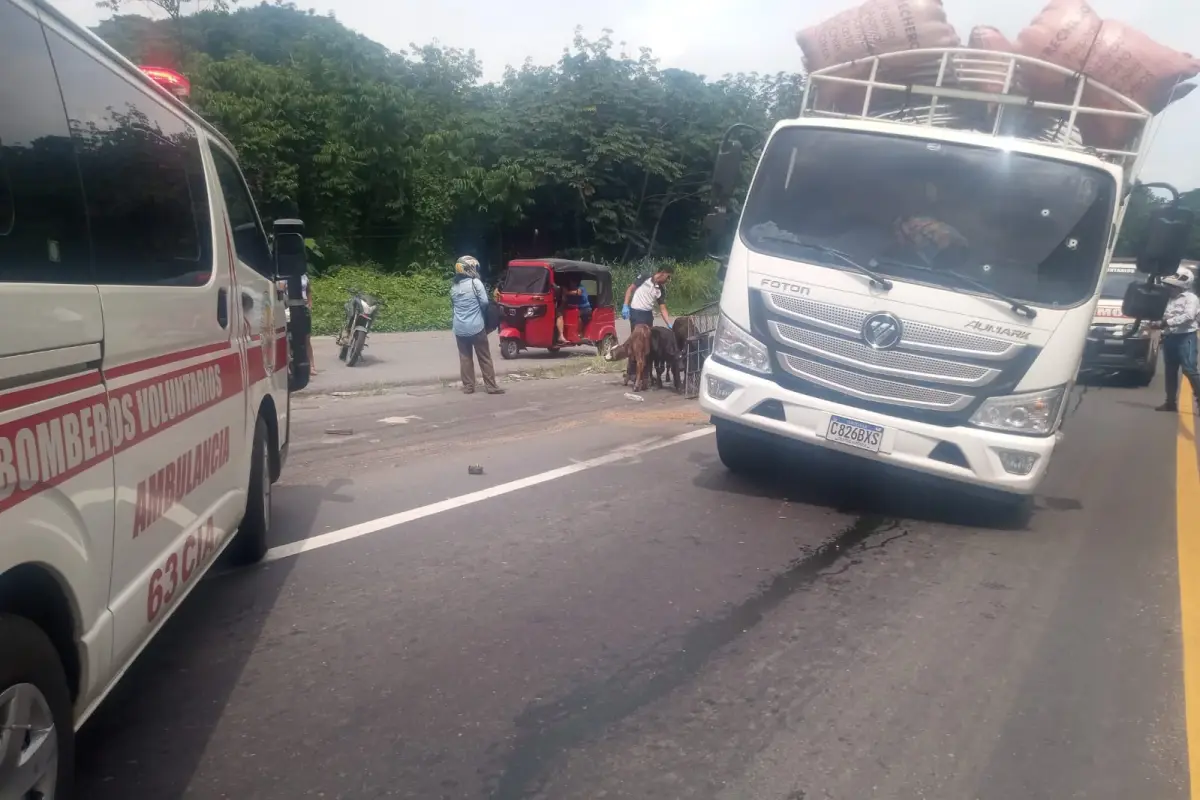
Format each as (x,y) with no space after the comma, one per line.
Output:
(395,520)
(398,420)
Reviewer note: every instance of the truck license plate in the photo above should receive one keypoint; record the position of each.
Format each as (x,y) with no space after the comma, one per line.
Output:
(854,433)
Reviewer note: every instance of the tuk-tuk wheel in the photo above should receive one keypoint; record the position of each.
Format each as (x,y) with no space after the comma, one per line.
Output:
(509,348)
(606,344)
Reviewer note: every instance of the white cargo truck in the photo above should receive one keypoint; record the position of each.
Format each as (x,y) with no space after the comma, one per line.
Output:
(917,264)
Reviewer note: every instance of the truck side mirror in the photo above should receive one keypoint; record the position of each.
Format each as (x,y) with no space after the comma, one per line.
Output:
(291,256)
(1145,301)
(726,172)
(1166,241)
(291,264)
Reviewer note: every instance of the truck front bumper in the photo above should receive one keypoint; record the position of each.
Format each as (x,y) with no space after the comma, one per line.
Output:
(964,454)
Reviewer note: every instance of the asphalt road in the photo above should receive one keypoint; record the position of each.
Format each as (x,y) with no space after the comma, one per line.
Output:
(641,624)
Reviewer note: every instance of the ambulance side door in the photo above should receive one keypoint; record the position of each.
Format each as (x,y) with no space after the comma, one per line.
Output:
(264,323)
(171,362)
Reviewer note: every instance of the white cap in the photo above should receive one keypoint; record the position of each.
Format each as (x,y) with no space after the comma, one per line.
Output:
(1180,280)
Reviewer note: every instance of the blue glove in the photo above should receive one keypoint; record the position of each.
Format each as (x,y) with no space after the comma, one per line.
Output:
(625,312)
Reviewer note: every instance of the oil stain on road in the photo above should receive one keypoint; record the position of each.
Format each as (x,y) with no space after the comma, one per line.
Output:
(545,731)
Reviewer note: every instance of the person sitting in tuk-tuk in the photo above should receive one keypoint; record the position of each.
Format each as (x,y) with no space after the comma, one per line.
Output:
(577,296)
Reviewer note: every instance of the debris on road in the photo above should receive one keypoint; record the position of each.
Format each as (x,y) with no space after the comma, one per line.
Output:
(339,431)
(635,397)
(474,469)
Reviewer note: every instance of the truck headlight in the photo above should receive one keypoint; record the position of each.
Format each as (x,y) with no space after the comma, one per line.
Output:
(1034,413)
(739,348)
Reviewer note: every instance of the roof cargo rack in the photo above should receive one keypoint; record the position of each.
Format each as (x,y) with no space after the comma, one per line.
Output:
(984,91)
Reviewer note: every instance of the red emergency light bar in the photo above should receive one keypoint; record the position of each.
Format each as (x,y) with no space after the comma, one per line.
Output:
(170,80)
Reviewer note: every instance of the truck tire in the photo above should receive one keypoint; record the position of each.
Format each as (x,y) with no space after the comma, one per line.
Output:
(34,693)
(249,544)
(741,454)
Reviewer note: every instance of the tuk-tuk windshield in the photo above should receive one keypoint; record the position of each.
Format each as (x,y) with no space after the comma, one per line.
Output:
(526,280)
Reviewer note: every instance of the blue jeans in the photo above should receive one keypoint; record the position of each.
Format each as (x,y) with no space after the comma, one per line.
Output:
(1179,355)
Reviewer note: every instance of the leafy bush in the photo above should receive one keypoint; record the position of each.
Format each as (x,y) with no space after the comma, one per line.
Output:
(420,301)
(691,286)
(416,302)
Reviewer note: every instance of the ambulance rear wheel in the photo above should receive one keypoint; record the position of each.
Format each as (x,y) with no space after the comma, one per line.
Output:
(37,732)
(249,544)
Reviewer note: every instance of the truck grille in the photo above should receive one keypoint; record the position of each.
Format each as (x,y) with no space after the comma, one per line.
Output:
(933,373)
(876,390)
(857,355)
(917,335)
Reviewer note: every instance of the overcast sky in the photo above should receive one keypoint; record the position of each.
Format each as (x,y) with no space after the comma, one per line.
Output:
(714,37)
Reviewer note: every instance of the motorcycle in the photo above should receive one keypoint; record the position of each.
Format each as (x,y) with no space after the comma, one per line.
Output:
(360,311)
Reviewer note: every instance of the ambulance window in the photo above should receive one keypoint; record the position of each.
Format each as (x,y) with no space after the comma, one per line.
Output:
(143,177)
(248,238)
(43,233)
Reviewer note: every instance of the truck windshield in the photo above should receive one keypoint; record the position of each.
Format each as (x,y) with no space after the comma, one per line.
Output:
(1115,284)
(1030,228)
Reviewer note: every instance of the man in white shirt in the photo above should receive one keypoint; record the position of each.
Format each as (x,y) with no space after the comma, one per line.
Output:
(1180,323)
(648,296)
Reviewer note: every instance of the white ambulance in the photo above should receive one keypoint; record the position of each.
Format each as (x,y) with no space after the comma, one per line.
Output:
(144,375)
(1116,343)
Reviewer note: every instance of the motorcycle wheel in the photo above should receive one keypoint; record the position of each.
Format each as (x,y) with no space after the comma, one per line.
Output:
(356,348)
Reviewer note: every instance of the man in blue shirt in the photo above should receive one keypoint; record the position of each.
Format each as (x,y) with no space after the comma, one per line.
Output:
(577,296)
(469,302)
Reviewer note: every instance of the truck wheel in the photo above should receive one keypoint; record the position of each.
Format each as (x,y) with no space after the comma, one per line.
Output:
(356,347)
(37,732)
(740,454)
(249,544)
(509,348)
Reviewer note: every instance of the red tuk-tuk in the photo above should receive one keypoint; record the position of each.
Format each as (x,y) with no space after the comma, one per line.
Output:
(532,293)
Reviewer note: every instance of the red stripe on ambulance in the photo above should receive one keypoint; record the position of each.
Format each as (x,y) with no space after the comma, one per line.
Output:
(43,450)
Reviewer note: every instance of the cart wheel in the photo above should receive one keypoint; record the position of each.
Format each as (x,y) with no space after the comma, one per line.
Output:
(606,345)
(509,348)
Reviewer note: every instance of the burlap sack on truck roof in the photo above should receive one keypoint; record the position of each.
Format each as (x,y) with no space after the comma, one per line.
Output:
(1071,34)
(873,28)
(876,26)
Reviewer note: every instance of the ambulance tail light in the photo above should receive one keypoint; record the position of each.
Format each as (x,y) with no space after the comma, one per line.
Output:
(170,80)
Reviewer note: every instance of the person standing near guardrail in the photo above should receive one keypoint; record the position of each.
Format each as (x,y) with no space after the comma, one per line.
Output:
(469,302)
(650,294)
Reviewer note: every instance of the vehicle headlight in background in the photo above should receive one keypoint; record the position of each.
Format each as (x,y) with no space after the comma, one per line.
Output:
(1034,413)
(1127,331)
(737,347)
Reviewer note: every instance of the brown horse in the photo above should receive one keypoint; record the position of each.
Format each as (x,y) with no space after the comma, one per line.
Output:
(637,349)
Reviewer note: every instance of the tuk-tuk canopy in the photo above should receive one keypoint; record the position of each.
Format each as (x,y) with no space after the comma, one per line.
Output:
(532,276)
